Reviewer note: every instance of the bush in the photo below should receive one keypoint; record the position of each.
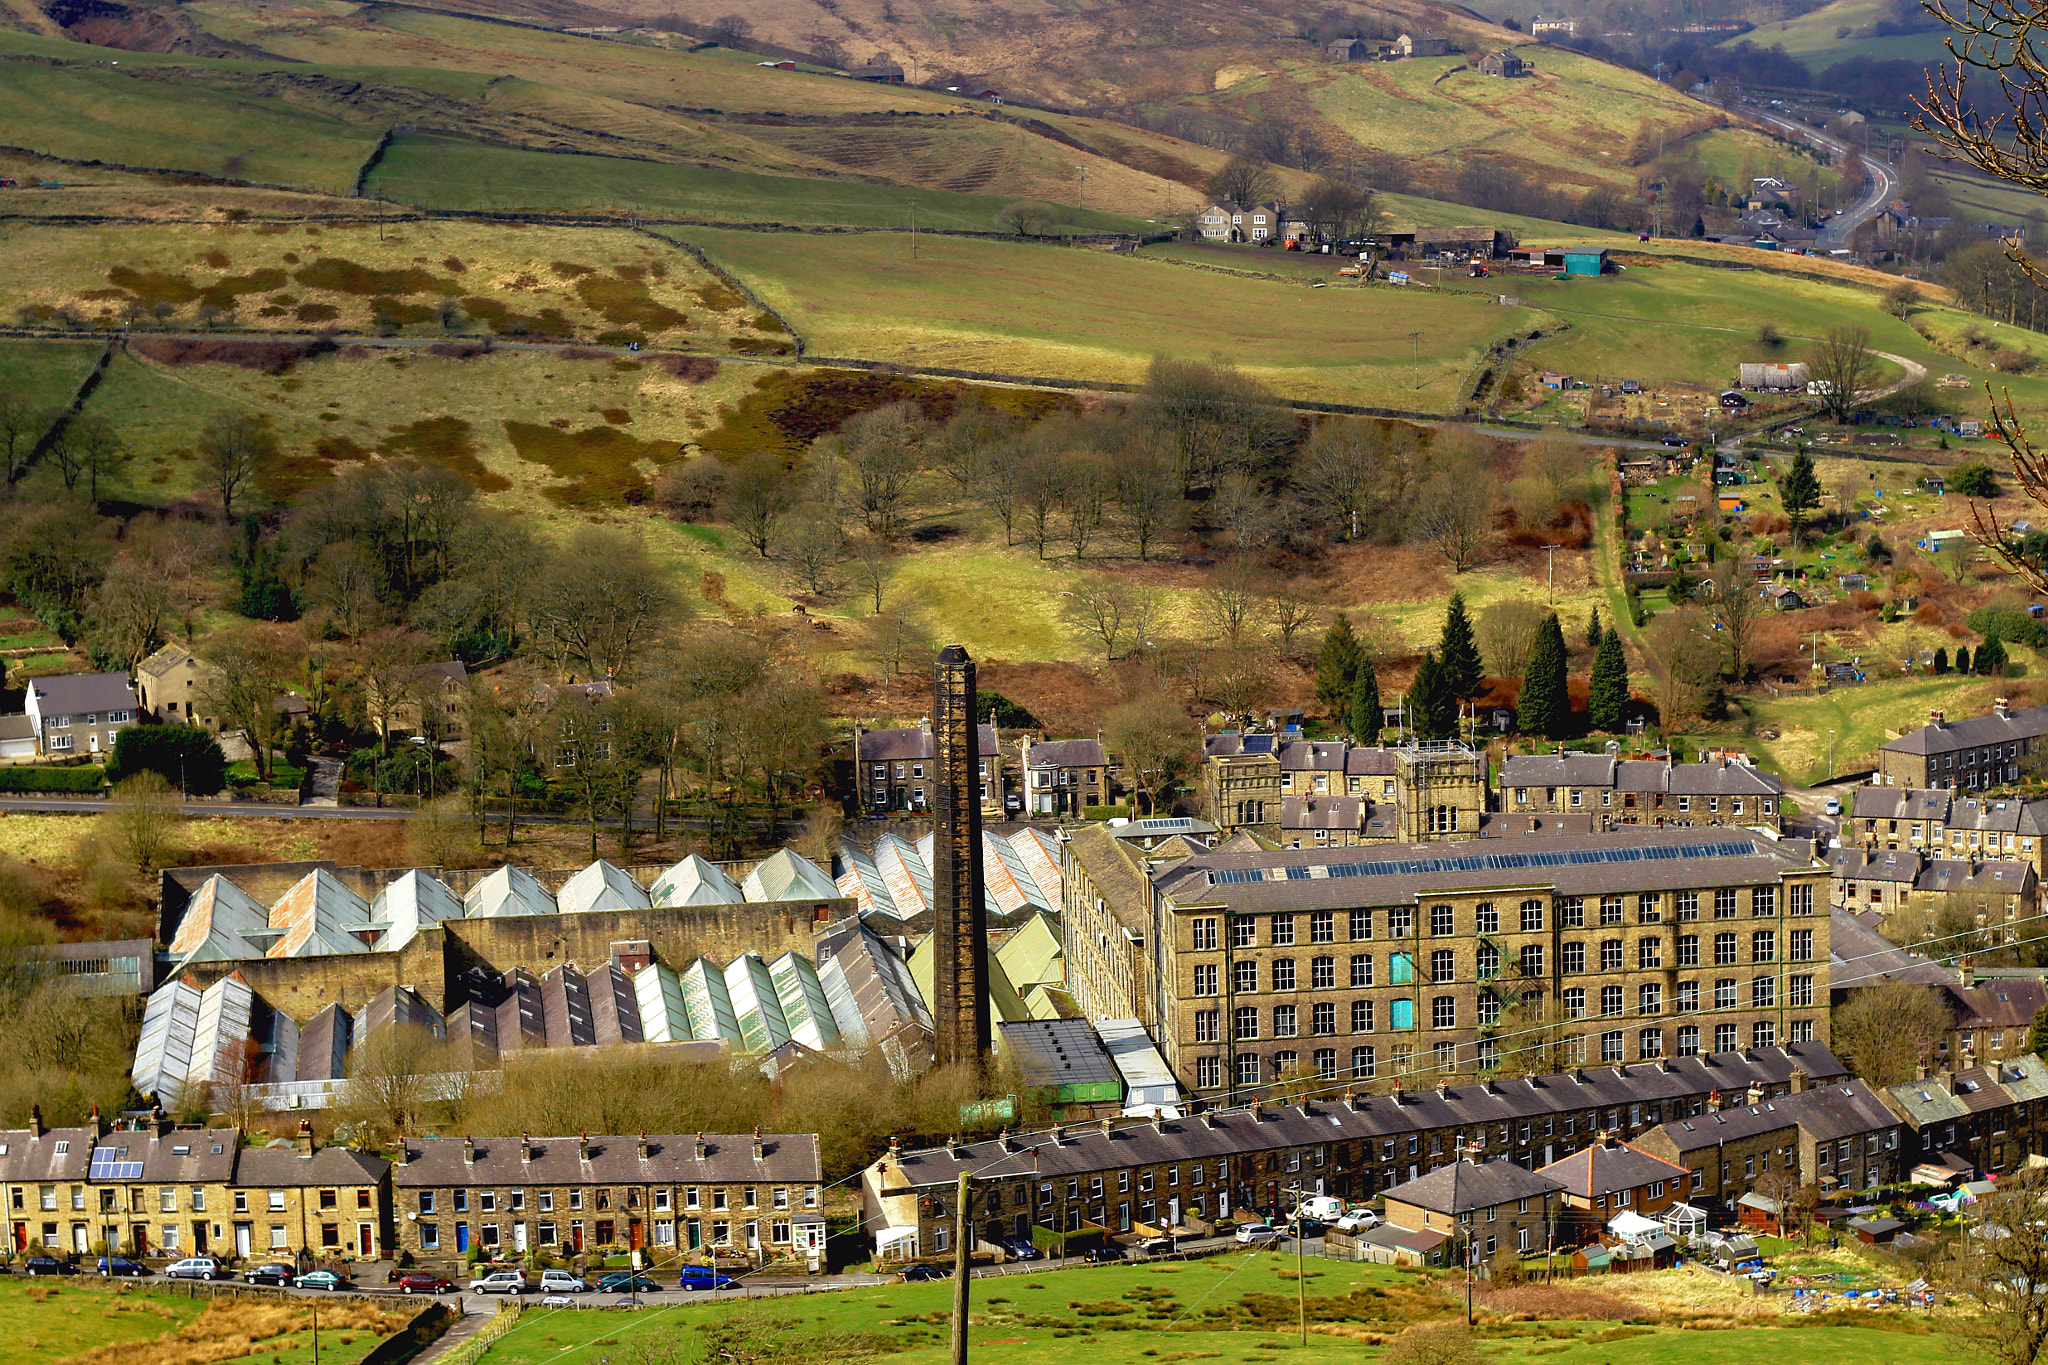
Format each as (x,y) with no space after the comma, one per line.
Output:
(181,754)
(87,779)
(1973,481)
(1105,812)
(2009,624)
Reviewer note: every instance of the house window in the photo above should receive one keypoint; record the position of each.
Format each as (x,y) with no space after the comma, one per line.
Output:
(1532,917)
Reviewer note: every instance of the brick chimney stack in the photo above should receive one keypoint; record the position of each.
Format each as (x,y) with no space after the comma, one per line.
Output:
(303,1139)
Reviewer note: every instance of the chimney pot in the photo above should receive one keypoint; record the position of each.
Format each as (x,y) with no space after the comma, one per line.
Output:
(644,1153)
(35,1119)
(525,1147)
(583,1147)
(468,1150)
(702,1151)
(759,1151)
(303,1141)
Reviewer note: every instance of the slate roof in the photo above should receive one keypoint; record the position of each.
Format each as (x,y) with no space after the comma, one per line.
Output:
(1468,1106)
(1901,865)
(1067,753)
(2002,1003)
(1999,815)
(1234,745)
(1107,862)
(77,694)
(1827,1112)
(1992,877)
(274,1167)
(1859,956)
(1902,803)
(2016,1080)
(1466,1185)
(1361,761)
(1972,732)
(1606,1167)
(914,741)
(791,1158)
(1314,755)
(1635,859)
(1324,812)
(1557,770)
(183,1156)
(59,1154)
(164,660)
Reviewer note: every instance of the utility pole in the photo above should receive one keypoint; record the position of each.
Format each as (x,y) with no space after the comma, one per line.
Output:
(1083,170)
(1550,557)
(1415,359)
(913,229)
(960,1272)
(1300,1269)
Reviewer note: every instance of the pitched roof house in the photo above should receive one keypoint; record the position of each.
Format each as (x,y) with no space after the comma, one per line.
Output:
(81,712)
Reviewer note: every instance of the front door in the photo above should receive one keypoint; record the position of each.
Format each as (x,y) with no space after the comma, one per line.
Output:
(199,1239)
(366,1243)
(21,1237)
(519,1238)
(242,1240)
(138,1239)
(461,1238)
(634,1239)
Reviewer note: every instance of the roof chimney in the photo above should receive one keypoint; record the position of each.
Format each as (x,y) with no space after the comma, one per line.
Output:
(35,1120)
(1799,1080)
(468,1150)
(759,1152)
(1158,1119)
(1059,1136)
(526,1148)
(404,1154)
(583,1147)
(700,1151)
(1934,718)
(303,1141)
(1664,1065)
(644,1152)
(2001,706)
(1208,1118)
(1108,1129)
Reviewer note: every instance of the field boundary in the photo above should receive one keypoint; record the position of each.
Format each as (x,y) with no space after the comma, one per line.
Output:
(370,163)
(738,285)
(77,404)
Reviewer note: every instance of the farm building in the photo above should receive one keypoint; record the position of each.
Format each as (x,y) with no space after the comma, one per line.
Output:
(887,73)
(1422,45)
(1481,242)
(1572,260)
(1503,63)
(1349,50)
(1775,377)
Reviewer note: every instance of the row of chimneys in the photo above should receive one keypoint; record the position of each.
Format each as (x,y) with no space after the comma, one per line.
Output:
(2001,707)
(582,1148)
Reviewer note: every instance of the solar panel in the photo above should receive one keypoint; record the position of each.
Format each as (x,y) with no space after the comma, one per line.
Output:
(108,1165)
(1500,862)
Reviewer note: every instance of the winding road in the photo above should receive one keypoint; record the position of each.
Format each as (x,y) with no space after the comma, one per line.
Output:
(1880,178)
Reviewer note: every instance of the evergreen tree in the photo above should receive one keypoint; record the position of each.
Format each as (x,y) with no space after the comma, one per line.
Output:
(1962,658)
(1432,707)
(1595,636)
(1607,707)
(1337,664)
(1365,705)
(1991,657)
(1799,490)
(1545,707)
(2037,1036)
(1941,660)
(1462,671)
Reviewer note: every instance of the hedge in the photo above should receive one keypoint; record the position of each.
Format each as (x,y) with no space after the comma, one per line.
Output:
(82,779)
(184,755)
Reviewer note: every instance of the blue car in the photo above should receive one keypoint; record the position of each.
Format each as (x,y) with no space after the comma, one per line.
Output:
(704,1277)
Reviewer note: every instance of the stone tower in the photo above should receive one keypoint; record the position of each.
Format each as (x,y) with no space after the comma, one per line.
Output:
(960,936)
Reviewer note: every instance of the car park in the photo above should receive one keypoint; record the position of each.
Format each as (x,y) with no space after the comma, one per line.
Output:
(627,1282)
(46,1265)
(704,1277)
(913,1274)
(425,1284)
(499,1282)
(118,1267)
(269,1274)
(195,1268)
(563,1282)
(1254,1234)
(320,1279)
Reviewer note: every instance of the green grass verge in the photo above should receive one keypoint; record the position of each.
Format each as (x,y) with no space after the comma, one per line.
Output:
(81,1315)
(444,173)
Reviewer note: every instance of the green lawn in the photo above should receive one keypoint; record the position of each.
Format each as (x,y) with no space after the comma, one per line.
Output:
(75,1316)
(1859,716)
(42,1323)
(444,173)
(1231,1308)
(1039,310)
(46,372)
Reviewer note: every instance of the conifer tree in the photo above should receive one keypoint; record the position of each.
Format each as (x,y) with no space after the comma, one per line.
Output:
(1337,665)
(1990,657)
(1545,707)
(1941,660)
(1432,709)
(1365,705)
(1962,658)
(1594,635)
(1460,656)
(1607,706)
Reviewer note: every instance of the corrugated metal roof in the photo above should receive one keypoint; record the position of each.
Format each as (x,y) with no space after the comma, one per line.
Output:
(600,886)
(508,891)
(787,875)
(163,1053)
(314,917)
(693,881)
(804,1007)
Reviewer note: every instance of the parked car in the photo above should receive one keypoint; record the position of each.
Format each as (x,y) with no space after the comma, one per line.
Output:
(1833,806)
(195,1268)
(1158,1246)
(320,1279)
(47,1265)
(626,1282)
(423,1284)
(115,1267)
(1257,1234)
(499,1282)
(557,1301)
(269,1274)
(563,1282)
(1020,1248)
(1359,1220)
(1675,441)
(1098,1255)
(914,1274)
(704,1277)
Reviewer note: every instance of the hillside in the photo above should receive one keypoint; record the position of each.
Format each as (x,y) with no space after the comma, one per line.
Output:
(1846,31)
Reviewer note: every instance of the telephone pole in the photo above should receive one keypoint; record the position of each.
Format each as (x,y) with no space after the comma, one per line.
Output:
(960,1271)
(913,229)
(1550,556)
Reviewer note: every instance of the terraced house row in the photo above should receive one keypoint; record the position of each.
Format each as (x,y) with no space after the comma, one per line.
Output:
(1251,965)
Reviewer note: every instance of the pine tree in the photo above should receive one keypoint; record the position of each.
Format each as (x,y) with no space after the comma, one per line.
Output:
(2037,1036)
(1991,657)
(1545,708)
(1962,658)
(1337,665)
(1432,707)
(1941,660)
(1365,705)
(1607,707)
(1462,671)
(1799,490)
(1596,636)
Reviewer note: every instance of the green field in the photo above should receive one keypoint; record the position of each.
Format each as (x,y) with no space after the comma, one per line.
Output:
(41,1324)
(1022,309)
(1813,37)
(1232,1307)
(45,372)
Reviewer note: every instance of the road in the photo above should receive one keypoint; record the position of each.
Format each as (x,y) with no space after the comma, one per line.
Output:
(1880,179)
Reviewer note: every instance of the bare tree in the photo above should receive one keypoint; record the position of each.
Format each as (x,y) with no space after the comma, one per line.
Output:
(1685,660)
(1085,483)
(1887,1031)
(232,451)
(1454,517)
(731,30)
(873,566)
(812,545)
(1102,608)
(1506,633)
(898,640)
(144,819)
(758,494)
(1293,611)
(1040,486)
(394,1076)
(2002,1262)
(601,602)
(1352,474)
(1149,507)
(250,666)
(1028,218)
(1231,601)
(21,424)
(1739,611)
(1243,180)
(1843,366)
(965,446)
(884,450)
(1156,740)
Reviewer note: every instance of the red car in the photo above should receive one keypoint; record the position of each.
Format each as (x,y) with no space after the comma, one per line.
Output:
(425,1284)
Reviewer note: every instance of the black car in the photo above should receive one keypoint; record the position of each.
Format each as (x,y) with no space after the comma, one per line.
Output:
(113,1267)
(1101,1254)
(915,1273)
(269,1274)
(46,1265)
(1676,441)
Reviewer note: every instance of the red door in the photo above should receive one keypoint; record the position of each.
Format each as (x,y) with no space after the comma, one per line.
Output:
(21,1237)
(633,1234)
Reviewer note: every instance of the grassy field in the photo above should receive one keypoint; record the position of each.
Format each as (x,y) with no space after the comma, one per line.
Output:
(1230,1308)
(46,371)
(1815,38)
(608,286)
(1013,309)
(86,1322)
(443,173)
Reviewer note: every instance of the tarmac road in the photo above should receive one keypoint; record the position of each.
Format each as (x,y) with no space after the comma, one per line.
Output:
(1880,179)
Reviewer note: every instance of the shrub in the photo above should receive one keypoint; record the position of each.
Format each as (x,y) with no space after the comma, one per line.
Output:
(1973,481)
(87,779)
(180,754)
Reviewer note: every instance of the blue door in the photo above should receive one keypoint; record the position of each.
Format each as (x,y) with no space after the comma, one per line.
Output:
(461,1238)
